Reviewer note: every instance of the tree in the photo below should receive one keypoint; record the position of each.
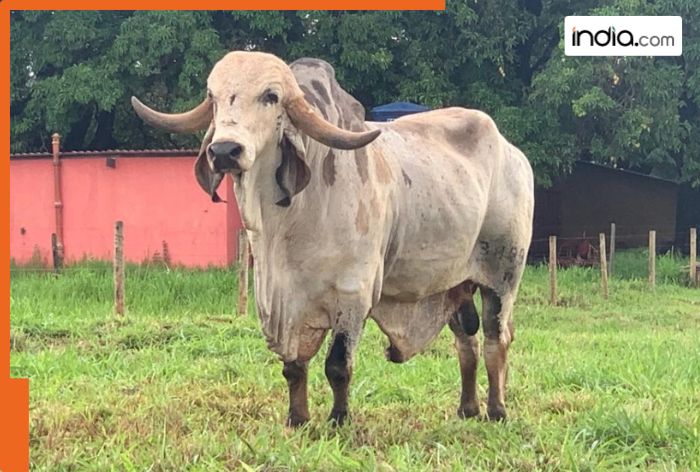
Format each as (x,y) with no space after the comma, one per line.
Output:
(73,72)
(631,112)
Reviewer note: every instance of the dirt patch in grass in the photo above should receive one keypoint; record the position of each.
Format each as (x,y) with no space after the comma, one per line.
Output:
(562,403)
(34,339)
(138,341)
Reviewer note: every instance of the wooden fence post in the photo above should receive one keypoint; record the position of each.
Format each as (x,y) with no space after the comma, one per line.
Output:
(243,261)
(652,258)
(119,267)
(603,266)
(57,199)
(54,254)
(553,270)
(693,257)
(612,249)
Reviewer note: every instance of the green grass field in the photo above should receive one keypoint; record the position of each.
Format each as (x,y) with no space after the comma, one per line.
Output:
(181,383)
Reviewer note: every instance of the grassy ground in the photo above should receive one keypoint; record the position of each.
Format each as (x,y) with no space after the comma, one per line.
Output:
(182,384)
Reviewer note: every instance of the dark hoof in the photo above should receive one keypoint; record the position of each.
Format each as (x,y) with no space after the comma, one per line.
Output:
(468,411)
(295,421)
(338,418)
(496,413)
(394,355)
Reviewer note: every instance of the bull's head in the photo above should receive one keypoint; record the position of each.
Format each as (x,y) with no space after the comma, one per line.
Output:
(253,105)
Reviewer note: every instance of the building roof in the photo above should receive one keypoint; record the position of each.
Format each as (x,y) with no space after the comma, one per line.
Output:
(391,111)
(401,107)
(110,153)
(630,172)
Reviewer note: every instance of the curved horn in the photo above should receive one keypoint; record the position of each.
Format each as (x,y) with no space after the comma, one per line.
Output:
(304,118)
(188,122)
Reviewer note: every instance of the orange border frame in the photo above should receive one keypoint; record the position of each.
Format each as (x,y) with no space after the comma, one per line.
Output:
(14,393)
(228,5)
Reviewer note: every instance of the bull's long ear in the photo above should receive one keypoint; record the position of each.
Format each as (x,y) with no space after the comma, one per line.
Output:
(207,178)
(293,174)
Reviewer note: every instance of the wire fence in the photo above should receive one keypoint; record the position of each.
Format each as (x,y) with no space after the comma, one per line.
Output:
(561,252)
(134,269)
(627,237)
(681,244)
(675,243)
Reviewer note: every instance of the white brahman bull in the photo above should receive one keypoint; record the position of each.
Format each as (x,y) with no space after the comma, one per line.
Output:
(400,222)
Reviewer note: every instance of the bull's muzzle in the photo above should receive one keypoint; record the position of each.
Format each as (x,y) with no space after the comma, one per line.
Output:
(224,156)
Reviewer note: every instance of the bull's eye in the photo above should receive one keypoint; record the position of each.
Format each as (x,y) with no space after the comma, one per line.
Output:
(232,99)
(210,95)
(269,98)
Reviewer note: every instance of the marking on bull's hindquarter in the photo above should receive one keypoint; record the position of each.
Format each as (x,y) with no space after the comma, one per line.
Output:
(483,249)
(513,255)
(500,252)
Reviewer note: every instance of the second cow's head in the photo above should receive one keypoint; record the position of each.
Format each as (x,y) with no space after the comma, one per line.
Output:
(254,108)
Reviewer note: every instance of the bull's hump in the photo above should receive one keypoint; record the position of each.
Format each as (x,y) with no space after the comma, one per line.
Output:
(461,128)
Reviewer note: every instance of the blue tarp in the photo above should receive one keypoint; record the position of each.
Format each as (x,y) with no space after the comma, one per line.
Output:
(391,111)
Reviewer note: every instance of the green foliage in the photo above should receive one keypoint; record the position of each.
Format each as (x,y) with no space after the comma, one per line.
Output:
(73,72)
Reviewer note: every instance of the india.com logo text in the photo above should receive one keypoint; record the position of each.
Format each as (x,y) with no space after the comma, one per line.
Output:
(623,38)
(623,35)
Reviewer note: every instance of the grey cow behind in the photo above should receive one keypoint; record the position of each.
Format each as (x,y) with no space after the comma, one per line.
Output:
(400,222)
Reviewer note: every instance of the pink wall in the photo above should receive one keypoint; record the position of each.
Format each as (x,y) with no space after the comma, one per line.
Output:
(156,196)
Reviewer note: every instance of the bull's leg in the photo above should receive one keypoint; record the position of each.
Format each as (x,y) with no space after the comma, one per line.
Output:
(497,338)
(339,373)
(296,373)
(351,312)
(464,324)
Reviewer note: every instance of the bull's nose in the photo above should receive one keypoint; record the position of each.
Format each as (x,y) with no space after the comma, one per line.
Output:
(224,155)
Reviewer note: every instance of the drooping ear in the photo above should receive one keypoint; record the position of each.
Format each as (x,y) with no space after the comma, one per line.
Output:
(207,178)
(293,174)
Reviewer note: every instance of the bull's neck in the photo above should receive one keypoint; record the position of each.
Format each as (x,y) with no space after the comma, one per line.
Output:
(256,191)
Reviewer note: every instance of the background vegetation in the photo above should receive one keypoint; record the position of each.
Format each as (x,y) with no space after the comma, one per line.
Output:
(181,383)
(73,72)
